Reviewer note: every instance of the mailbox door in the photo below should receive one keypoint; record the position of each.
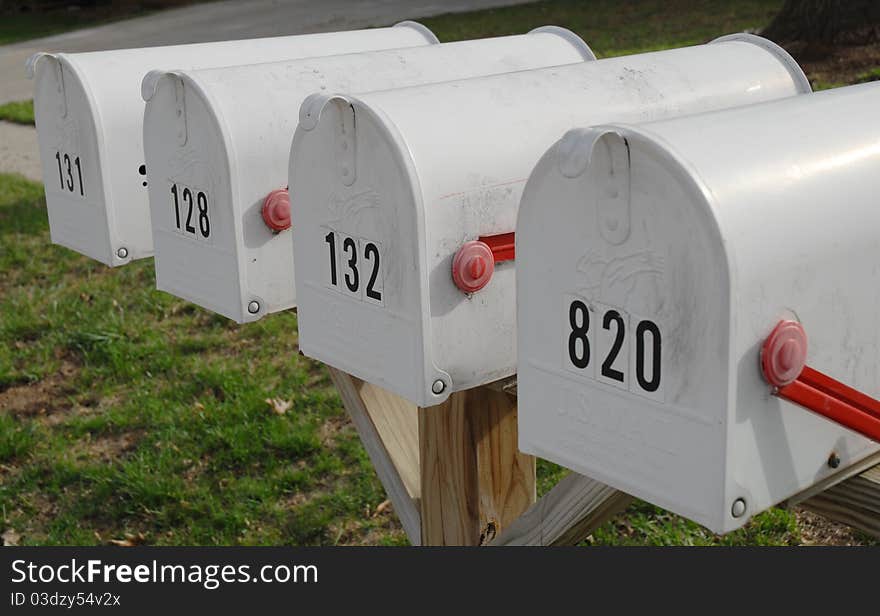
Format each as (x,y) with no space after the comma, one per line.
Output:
(70,156)
(193,237)
(623,310)
(360,303)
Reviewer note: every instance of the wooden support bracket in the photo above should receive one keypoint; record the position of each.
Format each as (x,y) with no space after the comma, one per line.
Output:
(567,514)
(389,429)
(851,497)
(474,480)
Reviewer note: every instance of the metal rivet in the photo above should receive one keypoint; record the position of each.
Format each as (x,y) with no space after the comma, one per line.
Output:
(739,508)
(438,387)
(254,307)
(122,253)
(833,460)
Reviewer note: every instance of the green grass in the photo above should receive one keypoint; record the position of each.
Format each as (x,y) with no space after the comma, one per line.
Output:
(615,27)
(872,75)
(125,412)
(16,25)
(21,112)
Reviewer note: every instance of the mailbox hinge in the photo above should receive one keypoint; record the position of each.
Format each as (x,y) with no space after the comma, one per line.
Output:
(783,364)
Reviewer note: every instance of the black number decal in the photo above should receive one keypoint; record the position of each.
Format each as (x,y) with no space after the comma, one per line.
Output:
(648,352)
(204,223)
(188,196)
(201,200)
(579,329)
(330,238)
(69,173)
(67,166)
(352,282)
(371,249)
(612,316)
(176,206)
(80,176)
(60,173)
(654,383)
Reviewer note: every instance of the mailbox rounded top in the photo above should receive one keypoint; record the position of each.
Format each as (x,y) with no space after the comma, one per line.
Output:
(576,41)
(420,28)
(797,73)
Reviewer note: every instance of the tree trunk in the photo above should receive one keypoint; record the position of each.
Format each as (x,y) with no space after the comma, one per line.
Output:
(826,22)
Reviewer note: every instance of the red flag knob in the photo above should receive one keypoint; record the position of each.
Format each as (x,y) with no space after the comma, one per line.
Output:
(784,353)
(276,210)
(473,266)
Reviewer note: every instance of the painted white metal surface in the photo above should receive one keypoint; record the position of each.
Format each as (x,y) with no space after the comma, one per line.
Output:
(89,116)
(238,123)
(439,165)
(732,221)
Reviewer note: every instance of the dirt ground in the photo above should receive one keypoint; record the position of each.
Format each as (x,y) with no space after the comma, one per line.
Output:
(840,66)
(818,530)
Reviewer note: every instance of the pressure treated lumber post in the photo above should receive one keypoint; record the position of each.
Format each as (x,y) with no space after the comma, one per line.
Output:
(474,480)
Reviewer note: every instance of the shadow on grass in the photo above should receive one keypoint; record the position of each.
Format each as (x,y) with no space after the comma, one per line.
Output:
(22,207)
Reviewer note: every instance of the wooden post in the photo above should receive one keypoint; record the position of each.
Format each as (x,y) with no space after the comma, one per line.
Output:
(474,480)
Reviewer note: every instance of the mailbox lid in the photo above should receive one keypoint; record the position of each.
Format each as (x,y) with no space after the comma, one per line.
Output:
(104,109)
(740,214)
(476,191)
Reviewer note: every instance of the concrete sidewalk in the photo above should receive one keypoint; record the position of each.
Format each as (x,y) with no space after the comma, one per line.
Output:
(19,152)
(223,21)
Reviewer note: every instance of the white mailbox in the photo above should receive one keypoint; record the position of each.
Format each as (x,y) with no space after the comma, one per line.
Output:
(674,279)
(431,169)
(217,144)
(89,116)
